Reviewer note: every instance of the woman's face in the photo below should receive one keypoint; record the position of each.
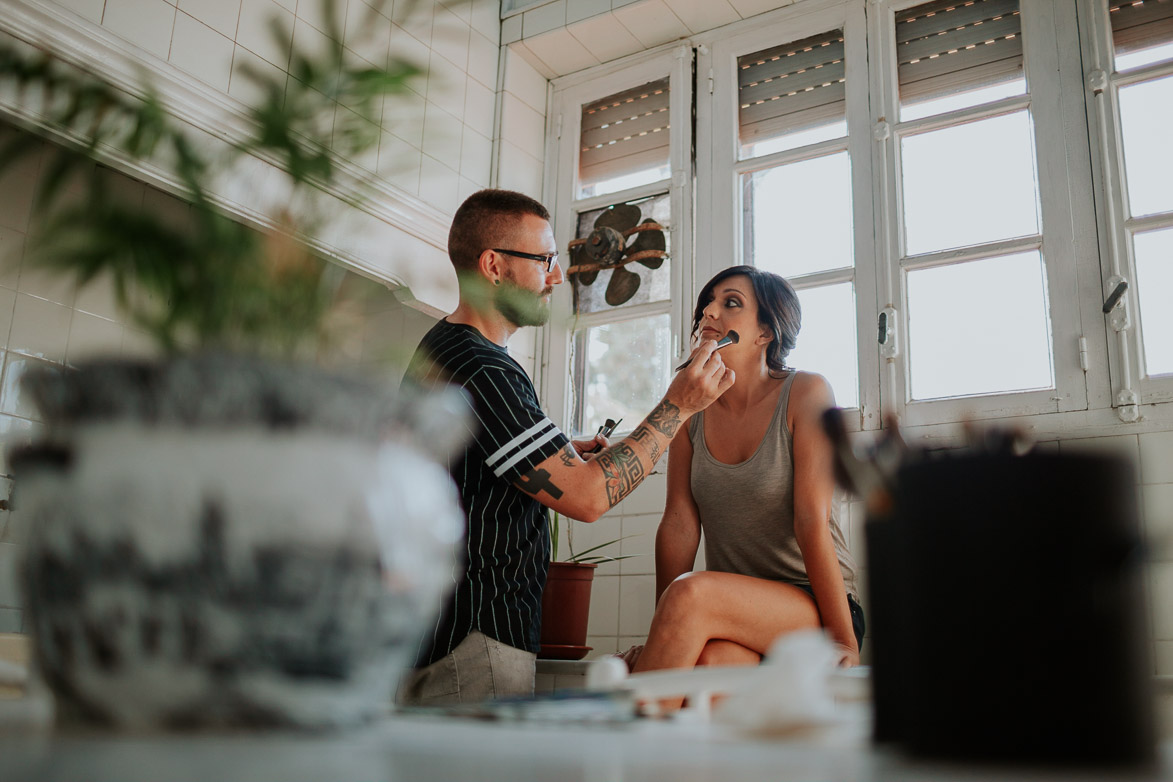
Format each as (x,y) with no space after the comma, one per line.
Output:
(732,308)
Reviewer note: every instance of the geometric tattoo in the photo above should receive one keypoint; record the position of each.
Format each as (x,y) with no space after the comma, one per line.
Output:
(622,470)
(643,435)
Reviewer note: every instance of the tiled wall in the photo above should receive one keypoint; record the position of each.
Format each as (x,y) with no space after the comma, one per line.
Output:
(437,141)
(623,595)
(45,322)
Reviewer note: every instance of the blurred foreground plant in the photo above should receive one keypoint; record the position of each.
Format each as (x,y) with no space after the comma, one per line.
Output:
(213,283)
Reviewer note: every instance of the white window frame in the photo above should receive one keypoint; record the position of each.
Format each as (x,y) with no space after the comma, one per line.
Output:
(720,239)
(1130,386)
(570,94)
(1066,213)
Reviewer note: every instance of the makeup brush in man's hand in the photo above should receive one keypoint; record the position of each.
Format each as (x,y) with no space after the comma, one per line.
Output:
(729,339)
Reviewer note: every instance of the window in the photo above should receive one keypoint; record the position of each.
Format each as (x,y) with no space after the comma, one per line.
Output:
(787,194)
(926,175)
(1133,101)
(619,215)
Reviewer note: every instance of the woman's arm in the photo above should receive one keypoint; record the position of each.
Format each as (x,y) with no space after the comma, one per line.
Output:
(679,533)
(814,489)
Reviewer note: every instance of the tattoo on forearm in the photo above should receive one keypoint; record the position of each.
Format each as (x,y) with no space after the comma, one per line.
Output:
(643,435)
(665,419)
(622,470)
(537,480)
(568,455)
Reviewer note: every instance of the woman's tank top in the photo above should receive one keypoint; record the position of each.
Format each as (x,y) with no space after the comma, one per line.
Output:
(747,509)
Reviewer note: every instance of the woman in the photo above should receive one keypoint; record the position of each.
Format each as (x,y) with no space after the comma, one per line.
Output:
(753,471)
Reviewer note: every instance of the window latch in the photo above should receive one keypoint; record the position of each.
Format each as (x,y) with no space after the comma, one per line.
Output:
(1116,306)
(887,337)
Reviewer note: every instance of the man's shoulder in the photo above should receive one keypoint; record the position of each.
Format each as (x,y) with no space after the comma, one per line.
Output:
(460,354)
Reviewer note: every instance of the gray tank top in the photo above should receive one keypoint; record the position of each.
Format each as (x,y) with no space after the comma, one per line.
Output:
(747,509)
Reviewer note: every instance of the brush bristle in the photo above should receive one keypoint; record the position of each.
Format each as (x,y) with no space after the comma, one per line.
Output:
(733,337)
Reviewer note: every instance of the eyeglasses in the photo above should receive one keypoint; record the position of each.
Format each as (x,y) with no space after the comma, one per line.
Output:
(550,260)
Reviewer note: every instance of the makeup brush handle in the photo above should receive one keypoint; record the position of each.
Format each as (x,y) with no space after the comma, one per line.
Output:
(726,340)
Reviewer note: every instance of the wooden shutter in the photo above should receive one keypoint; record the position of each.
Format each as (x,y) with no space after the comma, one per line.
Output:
(1140,24)
(624,133)
(790,87)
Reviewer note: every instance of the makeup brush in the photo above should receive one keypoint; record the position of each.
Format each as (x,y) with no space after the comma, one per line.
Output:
(729,339)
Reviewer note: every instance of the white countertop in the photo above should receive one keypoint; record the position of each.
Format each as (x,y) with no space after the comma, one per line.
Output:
(408,748)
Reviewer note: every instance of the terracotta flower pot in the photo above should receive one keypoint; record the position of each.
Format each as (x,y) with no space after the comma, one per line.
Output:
(566,605)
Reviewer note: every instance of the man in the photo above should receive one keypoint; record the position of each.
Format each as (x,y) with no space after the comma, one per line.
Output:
(519,464)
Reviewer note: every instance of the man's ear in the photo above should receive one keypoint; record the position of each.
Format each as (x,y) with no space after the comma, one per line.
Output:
(490,265)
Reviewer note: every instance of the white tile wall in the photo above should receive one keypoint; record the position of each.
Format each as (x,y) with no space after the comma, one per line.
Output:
(519,170)
(88,9)
(221,15)
(524,83)
(701,15)
(547,17)
(202,51)
(605,38)
(145,23)
(577,10)
(651,22)
(454,41)
(559,46)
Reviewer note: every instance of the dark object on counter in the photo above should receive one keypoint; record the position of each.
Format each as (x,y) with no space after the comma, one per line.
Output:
(1008,611)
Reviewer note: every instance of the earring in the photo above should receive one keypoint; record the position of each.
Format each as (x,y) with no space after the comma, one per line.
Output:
(496,282)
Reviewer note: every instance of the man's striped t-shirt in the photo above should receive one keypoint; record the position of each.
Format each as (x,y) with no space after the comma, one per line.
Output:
(507,550)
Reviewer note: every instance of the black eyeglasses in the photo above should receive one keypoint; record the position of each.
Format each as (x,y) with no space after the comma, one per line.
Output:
(550,260)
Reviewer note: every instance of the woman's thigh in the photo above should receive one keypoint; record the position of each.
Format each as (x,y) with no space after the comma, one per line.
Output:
(749,611)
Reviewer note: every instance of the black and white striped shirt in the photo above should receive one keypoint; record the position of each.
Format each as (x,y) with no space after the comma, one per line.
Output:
(507,553)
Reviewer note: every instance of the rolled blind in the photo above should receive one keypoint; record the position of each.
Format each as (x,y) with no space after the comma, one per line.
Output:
(949,46)
(791,87)
(1140,24)
(624,133)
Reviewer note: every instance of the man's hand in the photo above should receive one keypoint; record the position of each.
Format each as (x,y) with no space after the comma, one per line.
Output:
(700,383)
(589,449)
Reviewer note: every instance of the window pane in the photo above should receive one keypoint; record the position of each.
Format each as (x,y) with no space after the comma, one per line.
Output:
(1154,288)
(624,369)
(624,140)
(792,95)
(979,328)
(952,55)
(1146,114)
(1142,31)
(969,184)
(798,216)
(826,343)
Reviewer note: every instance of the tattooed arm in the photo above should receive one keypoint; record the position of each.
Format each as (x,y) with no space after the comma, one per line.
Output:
(585,490)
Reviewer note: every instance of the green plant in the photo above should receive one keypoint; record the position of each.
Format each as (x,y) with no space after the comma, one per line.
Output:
(587,557)
(213,282)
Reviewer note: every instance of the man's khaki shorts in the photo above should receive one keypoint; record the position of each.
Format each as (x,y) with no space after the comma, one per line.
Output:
(478,669)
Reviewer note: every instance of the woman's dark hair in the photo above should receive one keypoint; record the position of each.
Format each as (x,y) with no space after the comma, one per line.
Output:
(778,310)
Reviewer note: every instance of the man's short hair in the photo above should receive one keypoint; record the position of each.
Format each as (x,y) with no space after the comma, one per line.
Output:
(485,219)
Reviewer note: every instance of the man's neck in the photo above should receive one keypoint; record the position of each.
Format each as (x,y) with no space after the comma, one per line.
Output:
(491,324)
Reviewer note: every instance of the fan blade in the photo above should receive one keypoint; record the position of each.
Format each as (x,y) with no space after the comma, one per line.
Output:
(620,217)
(648,240)
(622,287)
(579,256)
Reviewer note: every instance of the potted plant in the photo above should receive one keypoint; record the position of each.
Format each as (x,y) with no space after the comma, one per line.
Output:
(566,601)
(227,535)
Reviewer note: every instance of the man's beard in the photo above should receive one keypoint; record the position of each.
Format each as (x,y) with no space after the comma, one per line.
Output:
(520,306)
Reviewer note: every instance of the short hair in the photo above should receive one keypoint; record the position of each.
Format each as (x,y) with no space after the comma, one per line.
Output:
(779,310)
(484,220)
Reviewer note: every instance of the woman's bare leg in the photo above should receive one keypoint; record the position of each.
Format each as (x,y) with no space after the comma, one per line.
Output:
(700,607)
(718,651)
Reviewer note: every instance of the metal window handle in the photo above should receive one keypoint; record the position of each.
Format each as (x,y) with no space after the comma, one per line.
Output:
(887,335)
(1115,296)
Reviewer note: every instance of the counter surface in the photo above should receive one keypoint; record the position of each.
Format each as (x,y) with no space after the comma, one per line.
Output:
(435,749)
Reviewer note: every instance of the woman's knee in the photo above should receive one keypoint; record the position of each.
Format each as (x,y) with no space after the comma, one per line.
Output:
(687,595)
(718,651)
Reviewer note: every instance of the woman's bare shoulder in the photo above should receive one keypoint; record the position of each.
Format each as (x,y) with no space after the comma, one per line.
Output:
(811,388)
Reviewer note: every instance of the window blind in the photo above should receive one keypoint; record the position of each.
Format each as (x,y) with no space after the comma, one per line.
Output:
(790,87)
(950,46)
(624,133)
(1140,24)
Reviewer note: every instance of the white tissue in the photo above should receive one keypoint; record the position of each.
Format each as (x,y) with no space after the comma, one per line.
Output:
(792,691)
